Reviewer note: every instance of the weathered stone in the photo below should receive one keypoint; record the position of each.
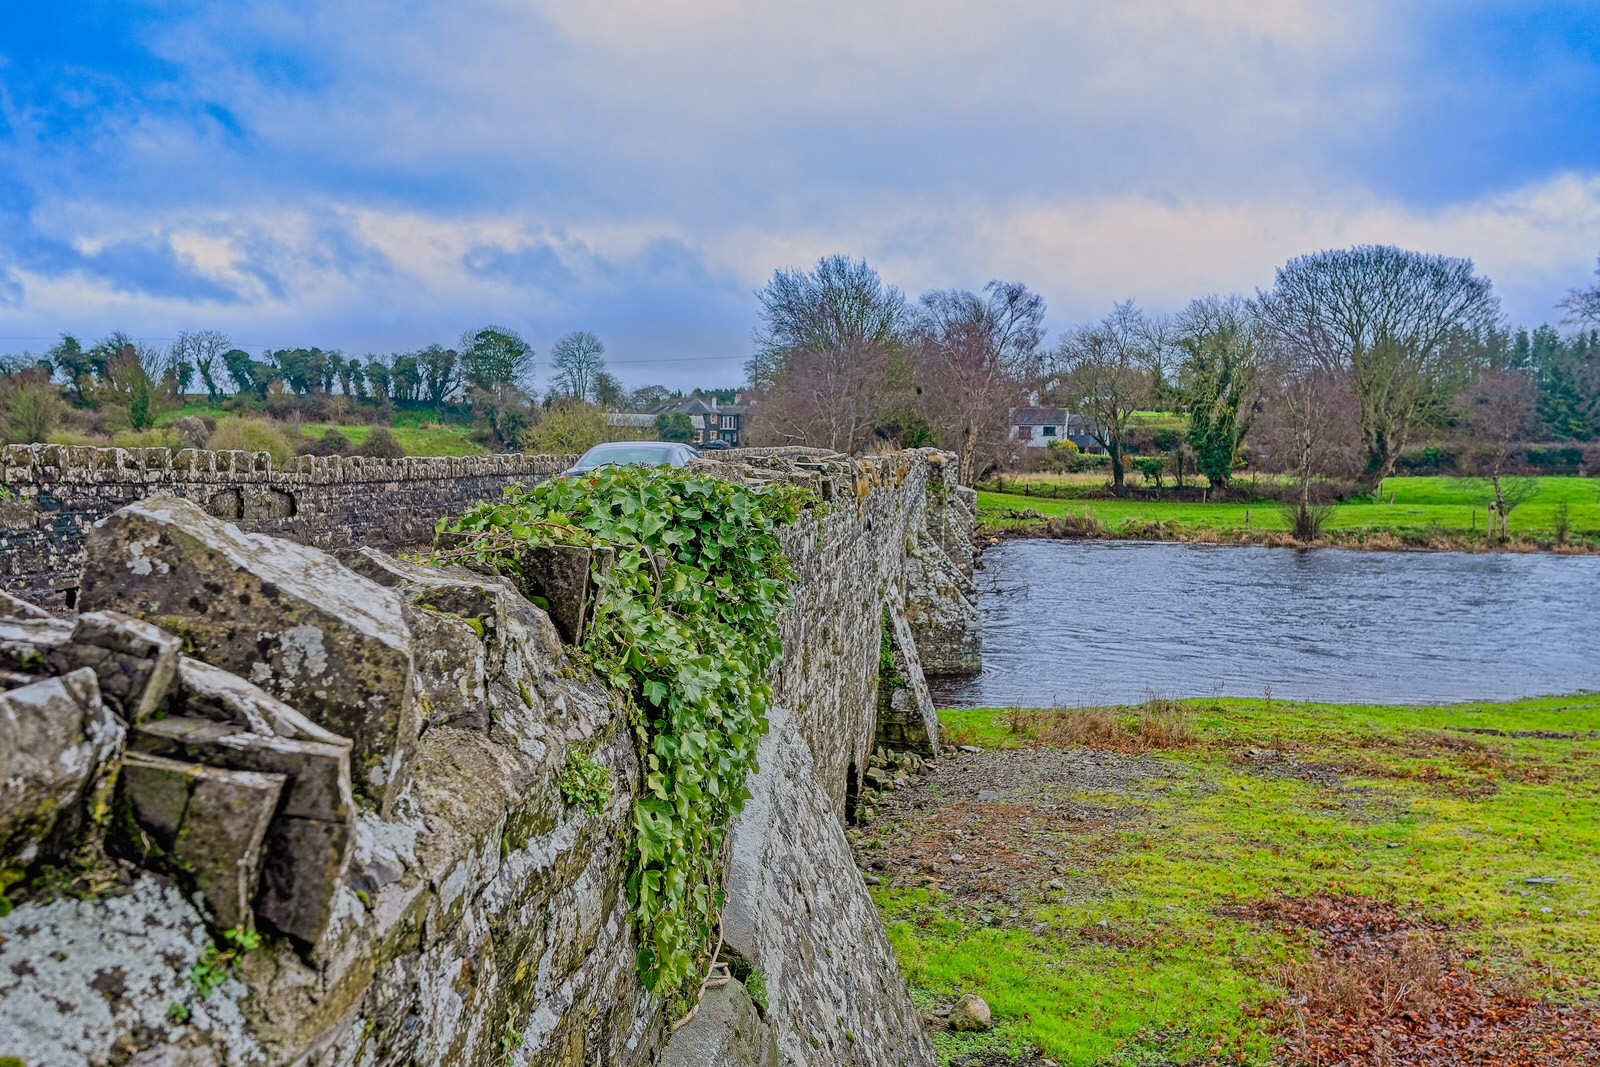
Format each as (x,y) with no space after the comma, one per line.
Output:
(449,670)
(209,692)
(906,715)
(30,646)
(726,1031)
(16,608)
(287,617)
(797,908)
(518,645)
(57,957)
(305,860)
(971,1012)
(207,825)
(139,664)
(559,575)
(57,743)
(318,773)
(941,606)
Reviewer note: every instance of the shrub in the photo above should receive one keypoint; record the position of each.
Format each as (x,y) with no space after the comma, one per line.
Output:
(29,412)
(194,431)
(675,426)
(381,443)
(252,435)
(331,443)
(566,428)
(162,438)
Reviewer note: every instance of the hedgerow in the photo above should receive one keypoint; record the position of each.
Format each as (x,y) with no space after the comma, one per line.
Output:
(686,627)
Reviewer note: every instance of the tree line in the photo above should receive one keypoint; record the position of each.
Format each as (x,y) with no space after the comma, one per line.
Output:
(1351,358)
(488,375)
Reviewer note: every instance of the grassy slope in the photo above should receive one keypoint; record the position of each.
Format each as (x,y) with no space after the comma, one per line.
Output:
(1423,818)
(1419,504)
(437,440)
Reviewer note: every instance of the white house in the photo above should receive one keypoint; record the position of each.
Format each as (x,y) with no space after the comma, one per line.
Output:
(1042,427)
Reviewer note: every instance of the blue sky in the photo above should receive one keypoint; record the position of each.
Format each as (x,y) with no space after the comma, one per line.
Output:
(379,176)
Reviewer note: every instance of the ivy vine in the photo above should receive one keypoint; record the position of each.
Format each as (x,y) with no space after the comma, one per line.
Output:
(686,627)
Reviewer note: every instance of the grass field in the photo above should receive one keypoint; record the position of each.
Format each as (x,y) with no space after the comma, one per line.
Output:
(419,432)
(1420,506)
(1114,895)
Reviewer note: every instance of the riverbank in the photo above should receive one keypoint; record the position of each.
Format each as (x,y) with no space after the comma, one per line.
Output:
(1250,881)
(1441,514)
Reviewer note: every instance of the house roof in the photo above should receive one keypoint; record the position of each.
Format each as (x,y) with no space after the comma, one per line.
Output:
(1040,416)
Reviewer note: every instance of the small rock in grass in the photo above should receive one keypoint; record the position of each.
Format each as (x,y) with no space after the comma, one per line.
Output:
(873,879)
(987,796)
(1040,929)
(971,748)
(971,1012)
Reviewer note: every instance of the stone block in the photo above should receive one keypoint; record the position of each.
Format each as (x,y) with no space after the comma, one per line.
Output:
(58,742)
(140,661)
(559,577)
(309,842)
(204,826)
(208,692)
(318,774)
(304,862)
(287,617)
(16,608)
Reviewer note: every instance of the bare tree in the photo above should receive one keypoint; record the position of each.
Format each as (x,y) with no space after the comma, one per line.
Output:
(1582,306)
(575,361)
(1307,431)
(983,353)
(830,354)
(1102,371)
(1398,326)
(1497,411)
(1219,341)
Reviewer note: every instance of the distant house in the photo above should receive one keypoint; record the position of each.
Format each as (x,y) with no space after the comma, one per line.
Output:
(1043,427)
(711,421)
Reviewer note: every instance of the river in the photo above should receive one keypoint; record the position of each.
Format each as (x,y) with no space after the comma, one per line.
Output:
(1086,622)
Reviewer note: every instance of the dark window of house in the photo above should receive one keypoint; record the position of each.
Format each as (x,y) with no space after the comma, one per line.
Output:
(1049,431)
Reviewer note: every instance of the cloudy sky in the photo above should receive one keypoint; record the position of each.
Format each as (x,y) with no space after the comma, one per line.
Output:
(379,175)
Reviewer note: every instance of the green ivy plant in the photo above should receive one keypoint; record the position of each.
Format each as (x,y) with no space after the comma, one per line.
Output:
(214,963)
(584,782)
(686,627)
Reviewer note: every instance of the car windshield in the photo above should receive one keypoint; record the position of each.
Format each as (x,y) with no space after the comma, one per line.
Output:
(628,452)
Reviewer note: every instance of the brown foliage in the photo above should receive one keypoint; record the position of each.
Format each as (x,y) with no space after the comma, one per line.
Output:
(1376,987)
(1155,724)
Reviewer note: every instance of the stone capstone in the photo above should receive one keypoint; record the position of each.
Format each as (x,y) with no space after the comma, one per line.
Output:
(56,741)
(287,617)
(209,692)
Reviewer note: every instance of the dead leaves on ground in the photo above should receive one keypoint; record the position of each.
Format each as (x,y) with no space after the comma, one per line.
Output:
(1378,988)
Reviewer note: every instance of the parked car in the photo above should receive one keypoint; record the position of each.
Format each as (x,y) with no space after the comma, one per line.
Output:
(632,453)
(716,446)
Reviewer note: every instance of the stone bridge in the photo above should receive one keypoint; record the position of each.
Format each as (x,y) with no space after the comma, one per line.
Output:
(360,758)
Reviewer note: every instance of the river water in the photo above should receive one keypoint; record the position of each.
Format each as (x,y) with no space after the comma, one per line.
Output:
(1075,622)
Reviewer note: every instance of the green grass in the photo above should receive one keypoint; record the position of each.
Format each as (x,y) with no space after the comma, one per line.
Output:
(1447,824)
(1420,506)
(437,439)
